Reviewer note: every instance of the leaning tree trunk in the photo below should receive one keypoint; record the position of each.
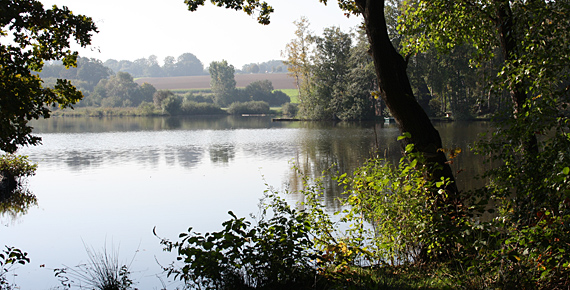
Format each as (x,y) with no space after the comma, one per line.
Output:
(396,91)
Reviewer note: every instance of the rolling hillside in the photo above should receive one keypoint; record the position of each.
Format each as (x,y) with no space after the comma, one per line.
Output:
(280,81)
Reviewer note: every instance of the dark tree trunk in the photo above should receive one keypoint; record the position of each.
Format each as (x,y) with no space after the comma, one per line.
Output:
(395,89)
(508,40)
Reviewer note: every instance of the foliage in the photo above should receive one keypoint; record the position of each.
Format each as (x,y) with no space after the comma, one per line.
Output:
(263,91)
(8,257)
(17,165)
(85,76)
(31,35)
(297,53)
(120,90)
(289,109)
(186,64)
(160,95)
(310,248)
(525,244)
(334,77)
(328,73)
(15,198)
(195,108)
(102,272)
(252,107)
(274,253)
(272,66)
(222,82)
(172,104)
(249,7)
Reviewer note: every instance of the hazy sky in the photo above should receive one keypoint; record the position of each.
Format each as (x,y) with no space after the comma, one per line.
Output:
(130,29)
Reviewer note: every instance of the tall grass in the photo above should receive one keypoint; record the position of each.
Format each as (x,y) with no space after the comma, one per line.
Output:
(103,271)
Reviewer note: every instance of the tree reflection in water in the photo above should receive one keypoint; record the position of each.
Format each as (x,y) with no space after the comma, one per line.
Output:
(16,203)
(15,197)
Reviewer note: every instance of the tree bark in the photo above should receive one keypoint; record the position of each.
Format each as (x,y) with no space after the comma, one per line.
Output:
(508,40)
(396,91)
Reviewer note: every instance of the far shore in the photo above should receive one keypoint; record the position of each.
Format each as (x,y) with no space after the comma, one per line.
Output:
(279,80)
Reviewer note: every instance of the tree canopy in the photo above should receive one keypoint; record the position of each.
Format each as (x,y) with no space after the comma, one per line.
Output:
(29,36)
(222,81)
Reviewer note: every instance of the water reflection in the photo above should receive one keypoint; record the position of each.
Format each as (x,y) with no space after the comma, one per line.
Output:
(121,177)
(338,148)
(133,124)
(314,147)
(16,203)
(222,153)
(189,157)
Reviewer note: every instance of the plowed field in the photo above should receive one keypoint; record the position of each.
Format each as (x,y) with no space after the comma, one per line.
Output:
(280,81)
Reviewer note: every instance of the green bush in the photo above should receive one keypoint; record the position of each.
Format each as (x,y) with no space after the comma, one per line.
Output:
(172,105)
(252,107)
(17,165)
(289,109)
(195,108)
(146,109)
(275,253)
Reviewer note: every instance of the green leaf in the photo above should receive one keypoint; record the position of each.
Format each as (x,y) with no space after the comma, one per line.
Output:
(405,135)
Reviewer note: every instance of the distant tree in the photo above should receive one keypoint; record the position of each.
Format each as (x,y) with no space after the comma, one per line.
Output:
(356,101)
(263,91)
(113,64)
(188,64)
(222,82)
(251,68)
(297,53)
(145,93)
(120,90)
(172,105)
(289,109)
(160,96)
(31,36)
(92,71)
(329,74)
(85,75)
(169,66)
(153,69)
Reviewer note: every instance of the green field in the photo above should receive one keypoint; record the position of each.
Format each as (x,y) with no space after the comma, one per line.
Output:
(292,93)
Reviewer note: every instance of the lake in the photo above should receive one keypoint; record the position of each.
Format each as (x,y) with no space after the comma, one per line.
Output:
(107,182)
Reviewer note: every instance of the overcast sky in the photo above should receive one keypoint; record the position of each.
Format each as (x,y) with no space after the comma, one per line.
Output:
(130,29)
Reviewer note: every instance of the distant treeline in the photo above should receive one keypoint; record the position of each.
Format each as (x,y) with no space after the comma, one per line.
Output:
(102,87)
(187,64)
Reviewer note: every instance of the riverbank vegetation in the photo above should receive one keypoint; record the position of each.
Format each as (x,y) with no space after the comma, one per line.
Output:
(399,221)
(512,232)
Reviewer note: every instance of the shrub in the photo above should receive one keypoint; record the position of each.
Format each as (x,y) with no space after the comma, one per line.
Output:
(146,109)
(289,109)
(195,108)
(12,169)
(17,165)
(252,107)
(171,105)
(275,253)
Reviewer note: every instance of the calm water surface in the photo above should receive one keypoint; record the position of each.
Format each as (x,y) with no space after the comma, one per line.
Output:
(111,181)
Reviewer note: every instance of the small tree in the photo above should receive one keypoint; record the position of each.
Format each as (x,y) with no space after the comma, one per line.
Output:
(222,81)
(160,96)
